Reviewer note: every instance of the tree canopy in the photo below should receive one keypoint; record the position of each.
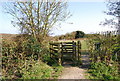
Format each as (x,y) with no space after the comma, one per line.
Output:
(113,10)
(37,18)
(79,34)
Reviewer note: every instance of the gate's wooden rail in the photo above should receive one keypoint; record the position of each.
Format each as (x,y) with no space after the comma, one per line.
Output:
(59,49)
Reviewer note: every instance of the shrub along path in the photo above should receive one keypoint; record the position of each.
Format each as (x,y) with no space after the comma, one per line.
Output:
(76,72)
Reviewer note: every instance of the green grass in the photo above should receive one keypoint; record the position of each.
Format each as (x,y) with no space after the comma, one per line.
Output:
(41,70)
(84,45)
(102,71)
(57,71)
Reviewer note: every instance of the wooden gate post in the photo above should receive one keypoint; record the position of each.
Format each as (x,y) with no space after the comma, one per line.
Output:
(50,46)
(73,50)
(59,54)
(79,51)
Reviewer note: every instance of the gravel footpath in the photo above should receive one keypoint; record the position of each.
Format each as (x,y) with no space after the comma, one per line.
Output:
(71,72)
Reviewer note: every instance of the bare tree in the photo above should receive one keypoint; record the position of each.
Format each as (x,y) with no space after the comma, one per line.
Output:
(113,10)
(37,18)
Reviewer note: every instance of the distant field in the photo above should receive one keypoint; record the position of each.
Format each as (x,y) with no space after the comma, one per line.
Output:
(8,36)
(84,45)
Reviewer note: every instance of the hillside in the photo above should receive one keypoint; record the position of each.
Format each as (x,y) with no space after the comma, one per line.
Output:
(8,36)
(71,36)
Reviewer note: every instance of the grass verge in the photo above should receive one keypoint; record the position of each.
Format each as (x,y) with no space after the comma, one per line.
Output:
(41,70)
(104,72)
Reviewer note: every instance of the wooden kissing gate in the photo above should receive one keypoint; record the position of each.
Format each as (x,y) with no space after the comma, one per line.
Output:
(59,49)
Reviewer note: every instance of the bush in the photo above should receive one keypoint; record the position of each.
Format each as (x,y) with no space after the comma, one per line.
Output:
(15,54)
(102,71)
(22,58)
(105,59)
(11,60)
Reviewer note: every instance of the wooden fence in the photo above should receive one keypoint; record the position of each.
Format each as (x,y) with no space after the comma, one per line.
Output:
(109,33)
(58,50)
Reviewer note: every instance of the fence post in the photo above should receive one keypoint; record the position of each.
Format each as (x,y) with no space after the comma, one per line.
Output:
(73,50)
(50,46)
(79,51)
(59,54)
(50,49)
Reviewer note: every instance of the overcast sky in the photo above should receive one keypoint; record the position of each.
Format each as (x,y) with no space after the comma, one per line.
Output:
(86,17)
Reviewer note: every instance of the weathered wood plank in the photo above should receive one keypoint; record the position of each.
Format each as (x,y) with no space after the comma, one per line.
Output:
(67,47)
(59,49)
(54,44)
(67,42)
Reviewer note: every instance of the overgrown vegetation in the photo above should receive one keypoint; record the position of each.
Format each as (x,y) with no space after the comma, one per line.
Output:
(104,54)
(102,71)
(22,58)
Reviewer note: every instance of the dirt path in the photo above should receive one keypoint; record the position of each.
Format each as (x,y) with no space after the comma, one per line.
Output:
(72,72)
